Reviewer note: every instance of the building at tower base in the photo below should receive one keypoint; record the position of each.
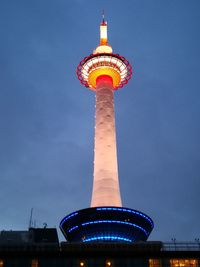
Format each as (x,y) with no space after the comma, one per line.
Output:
(40,248)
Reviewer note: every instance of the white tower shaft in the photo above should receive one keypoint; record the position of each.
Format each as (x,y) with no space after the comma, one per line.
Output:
(105,182)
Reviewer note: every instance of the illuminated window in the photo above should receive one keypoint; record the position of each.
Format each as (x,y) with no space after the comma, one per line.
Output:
(34,263)
(155,263)
(108,263)
(183,263)
(1,263)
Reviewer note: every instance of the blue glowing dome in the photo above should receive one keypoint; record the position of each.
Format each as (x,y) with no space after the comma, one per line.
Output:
(107,224)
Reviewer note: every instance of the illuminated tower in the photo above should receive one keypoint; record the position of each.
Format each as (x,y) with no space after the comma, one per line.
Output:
(106,220)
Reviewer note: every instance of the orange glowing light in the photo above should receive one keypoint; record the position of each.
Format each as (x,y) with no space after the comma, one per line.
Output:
(183,263)
(155,263)
(34,263)
(94,74)
(108,263)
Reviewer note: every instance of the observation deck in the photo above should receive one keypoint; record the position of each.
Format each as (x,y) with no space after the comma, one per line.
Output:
(95,65)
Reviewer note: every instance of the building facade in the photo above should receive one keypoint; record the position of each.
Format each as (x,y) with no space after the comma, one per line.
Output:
(49,253)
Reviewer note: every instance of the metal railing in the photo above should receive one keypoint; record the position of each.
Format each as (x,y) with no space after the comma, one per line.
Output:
(181,246)
(137,246)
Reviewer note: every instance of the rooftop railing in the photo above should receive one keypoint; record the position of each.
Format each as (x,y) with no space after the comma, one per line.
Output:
(181,246)
(150,246)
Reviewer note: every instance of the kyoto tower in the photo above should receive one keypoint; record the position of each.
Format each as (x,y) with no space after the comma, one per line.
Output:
(106,220)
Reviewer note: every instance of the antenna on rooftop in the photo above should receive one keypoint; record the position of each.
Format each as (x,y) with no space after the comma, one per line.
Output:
(31,219)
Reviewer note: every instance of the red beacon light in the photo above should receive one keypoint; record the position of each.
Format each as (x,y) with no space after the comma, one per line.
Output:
(104,62)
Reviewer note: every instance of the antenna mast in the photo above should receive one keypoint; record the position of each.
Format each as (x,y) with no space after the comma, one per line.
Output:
(31,221)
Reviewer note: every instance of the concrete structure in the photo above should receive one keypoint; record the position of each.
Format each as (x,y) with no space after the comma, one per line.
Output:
(106,220)
(106,190)
(105,72)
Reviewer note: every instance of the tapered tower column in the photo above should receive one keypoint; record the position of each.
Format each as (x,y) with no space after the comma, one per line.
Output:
(106,220)
(105,182)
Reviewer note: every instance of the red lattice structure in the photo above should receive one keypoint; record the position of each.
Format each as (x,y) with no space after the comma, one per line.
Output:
(113,65)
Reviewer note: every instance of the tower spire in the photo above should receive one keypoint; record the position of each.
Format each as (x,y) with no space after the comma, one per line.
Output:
(103,31)
(103,15)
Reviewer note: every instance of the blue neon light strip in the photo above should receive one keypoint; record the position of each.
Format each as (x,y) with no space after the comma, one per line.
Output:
(68,217)
(73,228)
(111,238)
(121,222)
(127,210)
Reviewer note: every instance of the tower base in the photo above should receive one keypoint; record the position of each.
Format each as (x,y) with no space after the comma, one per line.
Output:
(109,224)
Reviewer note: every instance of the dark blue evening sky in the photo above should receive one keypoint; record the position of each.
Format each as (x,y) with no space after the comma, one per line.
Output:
(47,116)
